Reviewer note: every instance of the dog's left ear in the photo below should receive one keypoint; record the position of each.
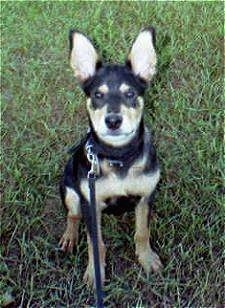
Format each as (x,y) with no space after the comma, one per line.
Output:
(83,56)
(142,57)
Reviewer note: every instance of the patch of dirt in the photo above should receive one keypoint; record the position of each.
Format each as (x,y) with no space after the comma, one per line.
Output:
(54,217)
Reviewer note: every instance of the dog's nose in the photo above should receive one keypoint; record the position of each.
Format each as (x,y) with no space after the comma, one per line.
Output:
(113,121)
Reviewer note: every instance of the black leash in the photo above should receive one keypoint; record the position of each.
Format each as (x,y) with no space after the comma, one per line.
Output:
(92,158)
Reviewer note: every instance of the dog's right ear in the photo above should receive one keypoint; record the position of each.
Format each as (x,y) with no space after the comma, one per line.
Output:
(83,56)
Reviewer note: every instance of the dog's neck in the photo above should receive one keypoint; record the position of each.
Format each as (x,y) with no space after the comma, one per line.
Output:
(126,154)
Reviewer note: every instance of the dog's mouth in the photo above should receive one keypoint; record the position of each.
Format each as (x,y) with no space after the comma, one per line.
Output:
(117,133)
(117,137)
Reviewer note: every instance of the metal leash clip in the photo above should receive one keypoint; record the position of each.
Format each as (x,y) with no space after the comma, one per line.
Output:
(93,159)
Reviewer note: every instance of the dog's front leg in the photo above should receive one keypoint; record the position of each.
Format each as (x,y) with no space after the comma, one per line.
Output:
(70,235)
(89,276)
(146,256)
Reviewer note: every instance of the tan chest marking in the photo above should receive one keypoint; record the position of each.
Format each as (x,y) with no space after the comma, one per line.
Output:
(111,185)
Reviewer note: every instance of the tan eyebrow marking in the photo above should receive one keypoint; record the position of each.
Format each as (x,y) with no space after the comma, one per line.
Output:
(124,87)
(103,89)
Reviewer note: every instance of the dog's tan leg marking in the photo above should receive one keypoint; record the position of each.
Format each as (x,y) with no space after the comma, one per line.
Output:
(70,236)
(146,256)
(89,275)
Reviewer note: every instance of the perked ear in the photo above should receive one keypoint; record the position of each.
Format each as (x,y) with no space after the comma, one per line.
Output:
(83,56)
(142,57)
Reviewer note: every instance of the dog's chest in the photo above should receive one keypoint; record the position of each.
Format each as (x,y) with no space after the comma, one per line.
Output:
(111,184)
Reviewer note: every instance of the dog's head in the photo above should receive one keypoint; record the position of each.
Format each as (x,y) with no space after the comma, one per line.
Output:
(115,92)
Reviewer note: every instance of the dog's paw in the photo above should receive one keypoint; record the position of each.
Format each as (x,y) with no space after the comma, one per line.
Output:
(156,264)
(67,242)
(149,260)
(89,276)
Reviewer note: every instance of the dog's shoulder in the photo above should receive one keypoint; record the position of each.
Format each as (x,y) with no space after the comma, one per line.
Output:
(146,162)
(149,153)
(76,166)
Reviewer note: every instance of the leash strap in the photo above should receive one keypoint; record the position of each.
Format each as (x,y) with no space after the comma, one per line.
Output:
(94,236)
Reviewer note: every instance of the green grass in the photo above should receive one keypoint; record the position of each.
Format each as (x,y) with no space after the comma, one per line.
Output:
(43,113)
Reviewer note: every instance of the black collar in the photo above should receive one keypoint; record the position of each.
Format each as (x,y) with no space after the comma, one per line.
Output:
(117,156)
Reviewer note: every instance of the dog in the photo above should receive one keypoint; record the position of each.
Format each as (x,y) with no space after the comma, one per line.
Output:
(128,166)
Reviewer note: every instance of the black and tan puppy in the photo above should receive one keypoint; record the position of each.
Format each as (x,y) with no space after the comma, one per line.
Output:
(128,167)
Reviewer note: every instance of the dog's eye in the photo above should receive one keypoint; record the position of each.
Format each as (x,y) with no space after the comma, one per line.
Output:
(98,95)
(130,94)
